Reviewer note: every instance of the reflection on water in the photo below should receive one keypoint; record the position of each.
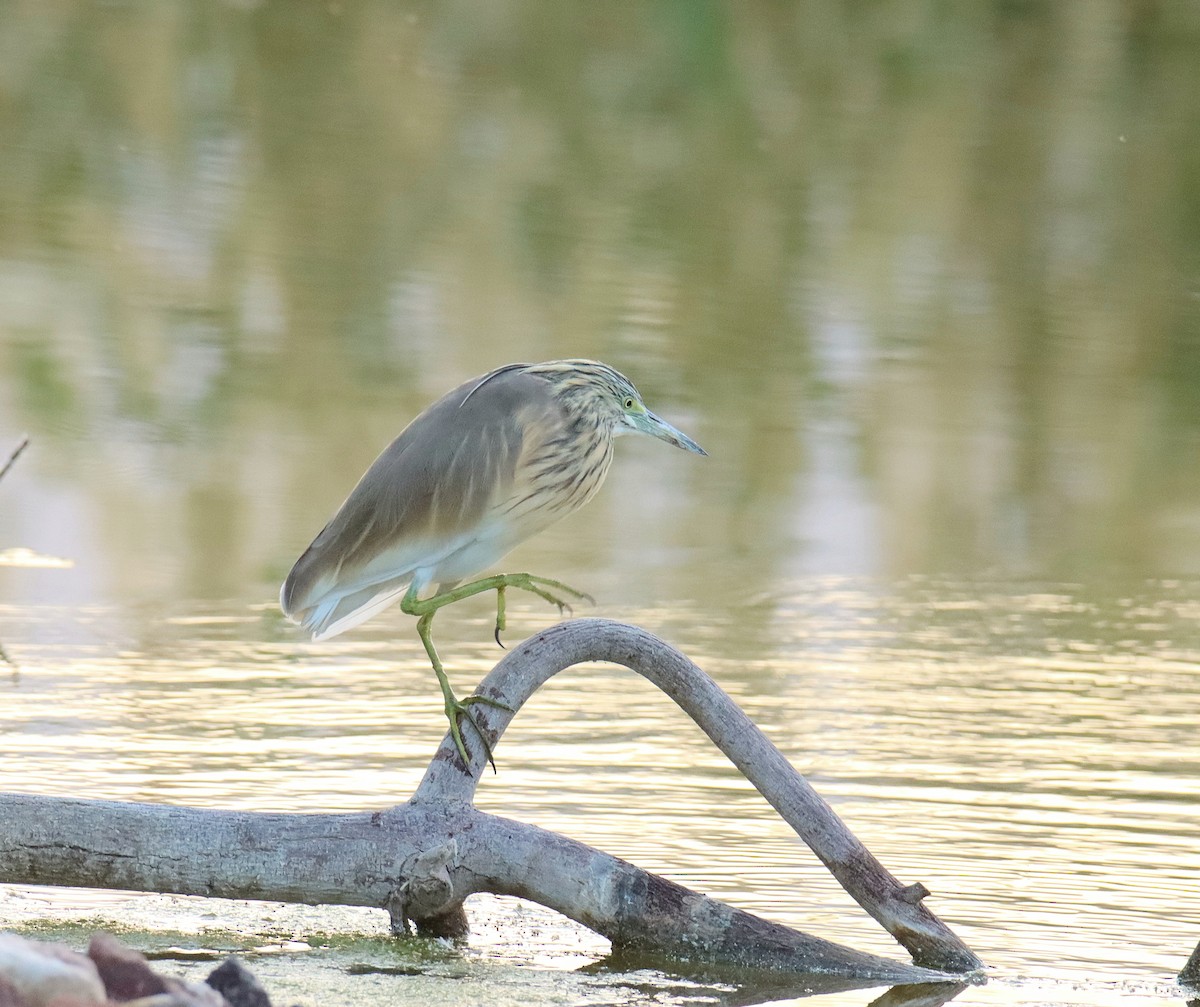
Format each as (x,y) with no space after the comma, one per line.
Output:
(923,279)
(925,284)
(1026,751)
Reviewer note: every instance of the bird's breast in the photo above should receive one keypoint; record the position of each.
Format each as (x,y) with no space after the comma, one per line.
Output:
(555,478)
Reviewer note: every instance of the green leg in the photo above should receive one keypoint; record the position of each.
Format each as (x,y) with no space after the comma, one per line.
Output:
(425,610)
(454,708)
(543,587)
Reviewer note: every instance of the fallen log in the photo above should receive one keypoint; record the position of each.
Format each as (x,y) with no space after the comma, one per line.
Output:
(420,860)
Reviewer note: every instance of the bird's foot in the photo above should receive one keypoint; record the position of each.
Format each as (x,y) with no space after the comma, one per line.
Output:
(545,588)
(458,710)
(550,590)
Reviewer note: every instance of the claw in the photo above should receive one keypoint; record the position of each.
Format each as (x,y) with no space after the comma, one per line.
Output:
(500,617)
(456,733)
(462,711)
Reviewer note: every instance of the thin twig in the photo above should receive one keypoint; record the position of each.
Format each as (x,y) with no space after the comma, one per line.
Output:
(7,465)
(13,457)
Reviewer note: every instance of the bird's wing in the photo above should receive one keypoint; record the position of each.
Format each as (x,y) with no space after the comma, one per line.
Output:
(423,499)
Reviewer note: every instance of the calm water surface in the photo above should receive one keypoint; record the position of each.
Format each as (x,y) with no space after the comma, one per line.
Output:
(923,279)
(1027,751)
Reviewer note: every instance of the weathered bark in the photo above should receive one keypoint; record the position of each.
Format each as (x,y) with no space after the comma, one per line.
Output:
(385,859)
(420,860)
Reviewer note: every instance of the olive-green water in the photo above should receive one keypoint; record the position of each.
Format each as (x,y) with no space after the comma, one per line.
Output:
(924,279)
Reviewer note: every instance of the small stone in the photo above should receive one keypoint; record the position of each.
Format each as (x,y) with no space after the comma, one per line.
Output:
(125,973)
(196,994)
(235,983)
(9,997)
(131,981)
(37,974)
(181,994)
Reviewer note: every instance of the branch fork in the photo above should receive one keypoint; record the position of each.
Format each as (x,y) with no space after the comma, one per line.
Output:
(420,860)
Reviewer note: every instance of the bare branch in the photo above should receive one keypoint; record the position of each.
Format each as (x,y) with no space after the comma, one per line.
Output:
(897,908)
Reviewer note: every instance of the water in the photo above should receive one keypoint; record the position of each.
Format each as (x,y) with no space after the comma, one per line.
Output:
(1024,750)
(923,281)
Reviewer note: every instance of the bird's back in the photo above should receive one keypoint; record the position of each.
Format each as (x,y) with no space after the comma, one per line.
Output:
(446,494)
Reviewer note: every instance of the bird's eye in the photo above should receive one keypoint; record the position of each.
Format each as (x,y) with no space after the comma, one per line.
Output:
(629,402)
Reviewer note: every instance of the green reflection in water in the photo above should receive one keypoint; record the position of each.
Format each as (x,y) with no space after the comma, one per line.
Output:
(923,279)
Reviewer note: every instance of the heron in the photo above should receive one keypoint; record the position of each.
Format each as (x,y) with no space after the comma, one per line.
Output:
(490,464)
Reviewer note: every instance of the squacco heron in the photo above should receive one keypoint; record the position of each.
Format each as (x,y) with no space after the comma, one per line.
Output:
(495,461)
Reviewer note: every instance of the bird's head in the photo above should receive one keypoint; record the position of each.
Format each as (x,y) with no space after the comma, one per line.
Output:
(610,398)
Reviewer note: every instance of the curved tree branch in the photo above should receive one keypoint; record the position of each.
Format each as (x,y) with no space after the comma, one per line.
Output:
(897,907)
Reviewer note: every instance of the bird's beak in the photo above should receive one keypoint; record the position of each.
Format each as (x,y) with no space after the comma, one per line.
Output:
(648,423)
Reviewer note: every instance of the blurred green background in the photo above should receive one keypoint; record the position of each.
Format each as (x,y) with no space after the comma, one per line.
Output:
(924,278)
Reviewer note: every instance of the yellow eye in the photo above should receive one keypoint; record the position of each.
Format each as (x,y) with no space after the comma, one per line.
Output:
(629,402)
